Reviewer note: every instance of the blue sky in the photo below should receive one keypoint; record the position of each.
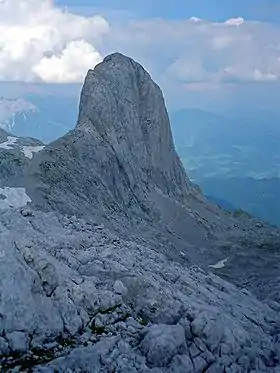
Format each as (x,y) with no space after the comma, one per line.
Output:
(264,10)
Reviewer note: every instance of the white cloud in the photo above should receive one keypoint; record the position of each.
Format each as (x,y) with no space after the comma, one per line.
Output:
(196,50)
(195,19)
(235,21)
(40,41)
(70,65)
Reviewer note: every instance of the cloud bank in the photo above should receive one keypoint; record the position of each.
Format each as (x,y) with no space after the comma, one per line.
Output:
(199,51)
(42,42)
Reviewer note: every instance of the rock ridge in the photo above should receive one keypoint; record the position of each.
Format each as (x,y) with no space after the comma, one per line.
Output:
(109,267)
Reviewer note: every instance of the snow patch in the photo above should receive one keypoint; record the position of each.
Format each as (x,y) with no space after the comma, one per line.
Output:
(9,144)
(29,151)
(220,264)
(15,197)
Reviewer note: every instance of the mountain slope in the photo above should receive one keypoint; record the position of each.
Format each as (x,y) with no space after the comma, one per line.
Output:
(132,139)
(123,161)
(128,295)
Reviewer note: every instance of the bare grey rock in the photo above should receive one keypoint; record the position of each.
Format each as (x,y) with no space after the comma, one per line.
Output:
(4,347)
(119,288)
(15,155)
(181,364)
(162,343)
(213,318)
(18,341)
(108,267)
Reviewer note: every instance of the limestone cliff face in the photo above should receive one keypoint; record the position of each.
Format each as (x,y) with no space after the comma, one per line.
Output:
(122,105)
(121,153)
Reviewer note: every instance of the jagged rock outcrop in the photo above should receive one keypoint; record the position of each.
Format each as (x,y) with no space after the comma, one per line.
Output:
(122,160)
(122,149)
(116,288)
(15,153)
(73,287)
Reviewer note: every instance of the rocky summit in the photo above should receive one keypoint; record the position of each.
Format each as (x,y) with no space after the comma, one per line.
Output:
(111,260)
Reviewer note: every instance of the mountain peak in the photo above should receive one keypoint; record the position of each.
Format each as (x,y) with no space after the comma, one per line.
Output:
(110,269)
(123,138)
(117,56)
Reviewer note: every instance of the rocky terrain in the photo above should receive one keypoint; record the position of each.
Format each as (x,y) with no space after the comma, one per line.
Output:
(15,154)
(114,261)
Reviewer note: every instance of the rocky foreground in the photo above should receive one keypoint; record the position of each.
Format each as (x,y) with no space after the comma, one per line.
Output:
(107,265)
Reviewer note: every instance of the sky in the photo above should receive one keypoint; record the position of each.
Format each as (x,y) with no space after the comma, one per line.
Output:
(203,53)
(218,10)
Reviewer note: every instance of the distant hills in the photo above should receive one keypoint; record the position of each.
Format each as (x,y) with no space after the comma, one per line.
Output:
(43,117)
(258,197)
(228,144)
(234,156)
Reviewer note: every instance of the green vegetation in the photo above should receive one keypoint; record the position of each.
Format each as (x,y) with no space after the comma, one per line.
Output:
(240,213)
(143,322)
(27,362)
(97,329)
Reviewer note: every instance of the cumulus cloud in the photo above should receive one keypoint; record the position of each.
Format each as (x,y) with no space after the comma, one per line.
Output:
(41,42)
(70,65)
(235,21)
(200,51)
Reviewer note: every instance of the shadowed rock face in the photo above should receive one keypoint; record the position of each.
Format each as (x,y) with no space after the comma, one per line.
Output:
(77,295)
